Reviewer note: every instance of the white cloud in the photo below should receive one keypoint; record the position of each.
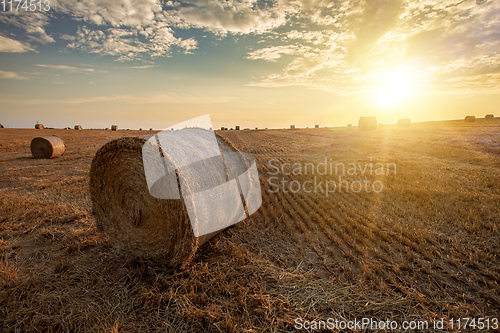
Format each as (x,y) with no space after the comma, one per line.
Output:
(235,15)
(275,52)
(32,23)
(111,12)
(11,76)
(13,46)
(68,69)
(124,43)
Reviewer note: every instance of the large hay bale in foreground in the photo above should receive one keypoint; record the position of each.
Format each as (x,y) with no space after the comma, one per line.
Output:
(367,123)
(39,126)
(124,209)
(78,127)
(470,119)
(489,116)
(47,147)
(114,127)
(406,122)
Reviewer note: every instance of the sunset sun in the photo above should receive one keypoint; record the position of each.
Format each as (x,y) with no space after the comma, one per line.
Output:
(393,89)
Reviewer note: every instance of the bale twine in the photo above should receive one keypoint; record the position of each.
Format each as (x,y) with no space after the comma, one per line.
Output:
(47,147)
(39,126)
(367,123)
(78,127)
(470,119)
(489,116)
(124,209)
(406,122)
(114,128)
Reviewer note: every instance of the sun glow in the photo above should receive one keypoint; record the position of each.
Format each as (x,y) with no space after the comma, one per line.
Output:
(394,88)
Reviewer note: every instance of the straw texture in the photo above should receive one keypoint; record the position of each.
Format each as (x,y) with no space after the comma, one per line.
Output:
(47,147)
(125,210)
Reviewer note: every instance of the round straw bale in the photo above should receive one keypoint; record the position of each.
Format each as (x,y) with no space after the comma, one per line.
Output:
(134,220)
(489,116)
(114,127)
(406,122)
(1,126)
(78,127)
(47,147)
(367,123)
(470,119)
(39,126)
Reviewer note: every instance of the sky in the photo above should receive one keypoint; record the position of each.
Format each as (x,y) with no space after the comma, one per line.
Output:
(263,63)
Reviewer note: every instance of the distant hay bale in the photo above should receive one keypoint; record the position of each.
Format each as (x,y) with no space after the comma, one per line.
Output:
(124,209)
(406,122)
(140,129)
(1,126)
(470,119)
(316,126)
(489,116)
(39,126)
(292,126)
(106,129)
(367,123)
(349,125)
(151,129)
(237,128)
(47,147)
(78,127)
(114,128)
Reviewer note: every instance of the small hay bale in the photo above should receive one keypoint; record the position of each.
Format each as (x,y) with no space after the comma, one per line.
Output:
(140,129)
(114,128)
(349,125)
(367,123)
(1,126)
(316,126)
(78,127)
(292,126)
(489,116)
(151,129)
(406,122)
(47,147)
(237,128)
(39,126)
(124,209)
(470,119)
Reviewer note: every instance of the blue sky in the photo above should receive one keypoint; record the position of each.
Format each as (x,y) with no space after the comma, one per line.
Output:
(265,63)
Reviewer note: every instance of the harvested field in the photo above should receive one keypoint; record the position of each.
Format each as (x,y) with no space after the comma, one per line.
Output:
(426,247)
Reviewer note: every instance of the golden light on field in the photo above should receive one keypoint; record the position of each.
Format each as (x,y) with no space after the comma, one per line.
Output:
(394,88)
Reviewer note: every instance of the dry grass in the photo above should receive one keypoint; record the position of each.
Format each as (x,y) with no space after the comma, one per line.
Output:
(426,247)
